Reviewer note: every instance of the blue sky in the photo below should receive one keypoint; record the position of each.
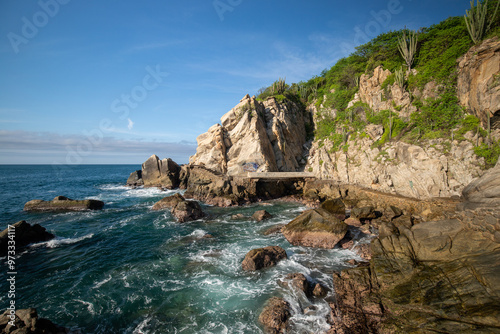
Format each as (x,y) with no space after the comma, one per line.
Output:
(114,81)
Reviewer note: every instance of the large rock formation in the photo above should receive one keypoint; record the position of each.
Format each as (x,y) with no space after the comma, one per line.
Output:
(479,80)
(160,173)
(61,203)
(275,316)
(485,190)
(434,276)
(255,136)
(23,234)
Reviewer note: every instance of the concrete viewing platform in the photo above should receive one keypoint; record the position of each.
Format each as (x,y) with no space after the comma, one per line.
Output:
(280,175)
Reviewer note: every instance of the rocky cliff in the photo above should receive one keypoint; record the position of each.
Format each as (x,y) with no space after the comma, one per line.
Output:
(263,136)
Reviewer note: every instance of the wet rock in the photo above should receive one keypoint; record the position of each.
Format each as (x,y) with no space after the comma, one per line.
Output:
(261,215)
(187,211)
(274,230)
(319,291)
(237,216)
(25,234)
(315,228)
(296,281)
(61,203)
(265,257)
(135,179)
(168,202)
(26,321)
(275,316)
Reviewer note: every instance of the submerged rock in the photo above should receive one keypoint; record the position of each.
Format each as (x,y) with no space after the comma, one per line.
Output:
(265,257)
(261,215)
(61,203)
(186,211)
(296,281)
(275,315)
(315,228)
(168,202)
(26,321)
(25,234)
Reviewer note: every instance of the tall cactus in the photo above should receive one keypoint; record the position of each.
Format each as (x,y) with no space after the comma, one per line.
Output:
(475,19)
(400,78)
(408,46)
(279,87)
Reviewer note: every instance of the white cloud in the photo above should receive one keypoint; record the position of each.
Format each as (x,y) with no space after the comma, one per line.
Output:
(130,124)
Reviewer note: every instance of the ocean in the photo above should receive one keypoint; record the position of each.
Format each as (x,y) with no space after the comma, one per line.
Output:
(128,269)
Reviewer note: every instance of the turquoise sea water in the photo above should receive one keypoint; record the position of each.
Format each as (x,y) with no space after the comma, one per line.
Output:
(128,269)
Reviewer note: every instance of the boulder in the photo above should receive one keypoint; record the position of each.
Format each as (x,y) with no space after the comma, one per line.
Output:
(319,291)
(486,189)
(364,213)
(161,173)
(61,203)
(26,321)
(265,257)
(334,206)
(168,202)
(274,229)
(353,222)
(186,211)
(25,234)
(275,316)
(315,228)
(296,281)
(261,215)
(135,179)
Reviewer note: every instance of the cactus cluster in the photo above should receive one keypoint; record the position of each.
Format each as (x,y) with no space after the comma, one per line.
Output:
(399,78)
(475,19)
(408,46)
(279,87)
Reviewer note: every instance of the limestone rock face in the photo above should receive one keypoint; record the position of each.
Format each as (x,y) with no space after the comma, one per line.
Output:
(160,173)
(265,257)
(255,136)
(486,189)
(478,79)
(315,228)
(25,234)
(61,203)
(432,170)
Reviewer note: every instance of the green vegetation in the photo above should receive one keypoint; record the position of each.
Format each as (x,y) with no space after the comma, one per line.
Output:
(475,19)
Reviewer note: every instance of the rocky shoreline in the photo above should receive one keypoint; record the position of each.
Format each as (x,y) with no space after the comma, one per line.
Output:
(432,265)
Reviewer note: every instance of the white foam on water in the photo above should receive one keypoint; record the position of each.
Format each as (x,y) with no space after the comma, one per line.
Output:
(101,283)
(54,243)
(90,306)
(140,329)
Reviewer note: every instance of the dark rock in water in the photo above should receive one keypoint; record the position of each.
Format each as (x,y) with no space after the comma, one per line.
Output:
(366,212)
(296,281)
(319,291)
(275,316)
(187,211)
(315,228)
(265,257)
(25,234)
(161,173)
(61,203)
(168,202)
(261,215)
(334,206)
(26,321)
(237,216)
(274,229)
(135,179)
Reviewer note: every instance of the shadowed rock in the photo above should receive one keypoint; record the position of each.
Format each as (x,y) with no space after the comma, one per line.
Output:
(25,234)
(168,202)
(26,321)
(261,215)
(275,316)
(135,179)
(186,211)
